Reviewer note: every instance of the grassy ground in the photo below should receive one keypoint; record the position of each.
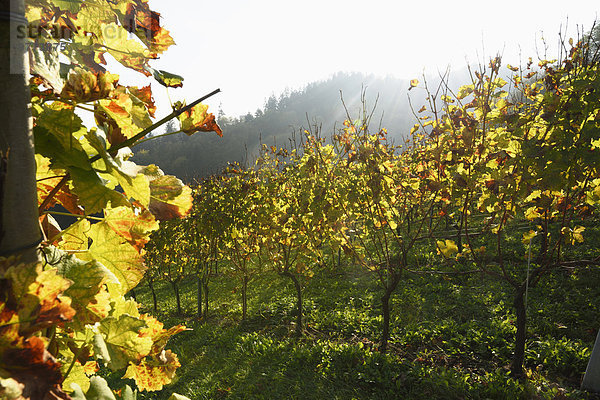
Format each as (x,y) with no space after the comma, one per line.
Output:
(450,339)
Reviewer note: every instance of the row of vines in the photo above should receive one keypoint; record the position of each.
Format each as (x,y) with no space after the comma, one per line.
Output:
(499,178)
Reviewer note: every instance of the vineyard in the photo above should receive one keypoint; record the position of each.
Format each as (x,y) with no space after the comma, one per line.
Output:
(449,339)
(495,194)
(459,264)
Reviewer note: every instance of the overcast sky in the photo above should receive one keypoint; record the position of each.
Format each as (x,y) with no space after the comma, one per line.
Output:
(254,48)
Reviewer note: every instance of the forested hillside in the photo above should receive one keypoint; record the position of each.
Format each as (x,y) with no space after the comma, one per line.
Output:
(319,104)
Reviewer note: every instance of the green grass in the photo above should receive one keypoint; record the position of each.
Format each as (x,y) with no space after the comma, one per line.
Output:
(449,339)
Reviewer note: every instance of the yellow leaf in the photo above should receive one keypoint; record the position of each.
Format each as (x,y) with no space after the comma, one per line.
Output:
(578,234)
(153,374)
(116,254)
(534,195)
(532,213)
(464,91)
(447,247)
(414,129)
(528,236)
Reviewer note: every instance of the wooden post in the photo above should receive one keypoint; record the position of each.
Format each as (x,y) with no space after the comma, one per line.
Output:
(19,227)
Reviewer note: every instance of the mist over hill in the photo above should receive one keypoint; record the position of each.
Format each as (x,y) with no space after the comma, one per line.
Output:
(320,105)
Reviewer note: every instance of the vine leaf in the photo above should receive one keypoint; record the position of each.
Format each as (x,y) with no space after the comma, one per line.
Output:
(99,390)
(165,78)
(116,254)
(122,340)
(169,198)
(447,247)
(35,368)
(39,295)
(45,64)
(133,228)
(152,374)
(68,5)
(86,291)
(176,396)
(129,52)
(63,155)
(144,94)
(47,179)
(84,86)
(197,119)
(93,194)
(34,302)
(159,335)
(79,375)
(124,116)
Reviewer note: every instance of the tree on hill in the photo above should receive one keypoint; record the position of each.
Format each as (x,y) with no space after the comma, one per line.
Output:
(318,104)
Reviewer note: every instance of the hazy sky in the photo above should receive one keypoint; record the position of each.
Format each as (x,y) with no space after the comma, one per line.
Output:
(253,48)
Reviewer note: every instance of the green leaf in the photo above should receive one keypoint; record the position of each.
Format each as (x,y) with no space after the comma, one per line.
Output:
(39,295)
(128,394)
(133,227)
(61,120)
(48,145)
(193,118)
(88,278)
(93,194)
(76,376)
(123,342)
(165,78)
(99,390)
(119,170)
(169,198)
(447,247)
(116,254)
(77,392)
(100,348)
(129,114)
(68,5)
(129,52)
(137,188)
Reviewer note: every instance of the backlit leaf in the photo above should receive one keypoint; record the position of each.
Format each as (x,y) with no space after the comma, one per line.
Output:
(84,86)
(447,247)
(167,79)
(40,297)
(197,119)
(116,254)
(135,228)
(152,374)
(129,52)
(123,342)
(93,194)
(170,198)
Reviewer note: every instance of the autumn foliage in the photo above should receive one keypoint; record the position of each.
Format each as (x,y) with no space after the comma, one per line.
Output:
(63,317)
(498,178)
